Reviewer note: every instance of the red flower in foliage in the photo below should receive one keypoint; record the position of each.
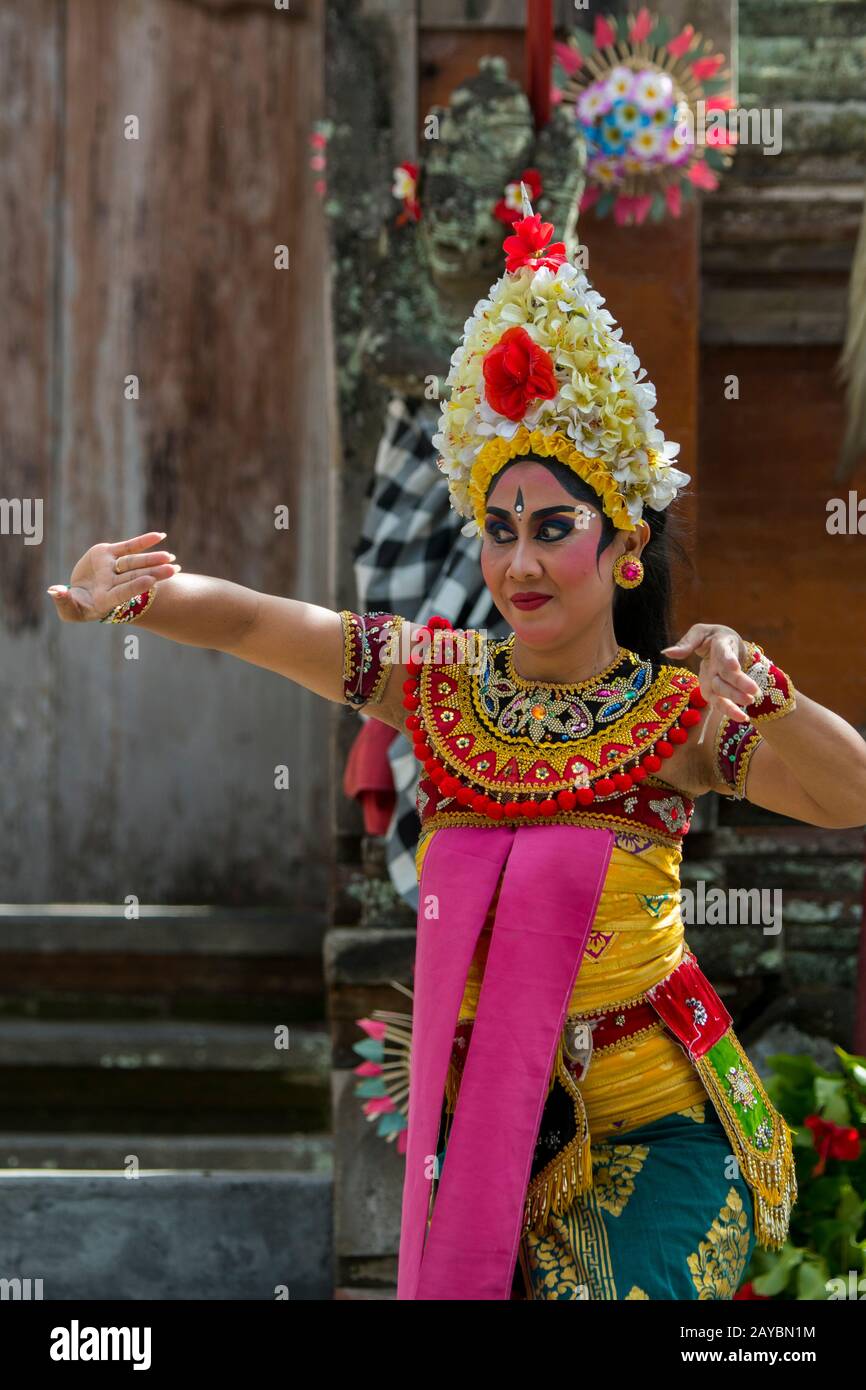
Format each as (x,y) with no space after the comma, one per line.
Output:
(831,1141)
(747,1290)
(517,371)
(529,245)
(405,184)
(505,210)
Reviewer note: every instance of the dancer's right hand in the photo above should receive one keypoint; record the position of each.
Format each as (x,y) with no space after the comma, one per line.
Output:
(96,586)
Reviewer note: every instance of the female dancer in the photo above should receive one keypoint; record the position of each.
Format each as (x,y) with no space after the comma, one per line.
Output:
(582,1116)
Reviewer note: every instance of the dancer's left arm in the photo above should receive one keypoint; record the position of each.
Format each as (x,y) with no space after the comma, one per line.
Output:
(810,763)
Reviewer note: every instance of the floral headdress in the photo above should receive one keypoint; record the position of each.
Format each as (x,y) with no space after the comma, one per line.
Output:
(541,368)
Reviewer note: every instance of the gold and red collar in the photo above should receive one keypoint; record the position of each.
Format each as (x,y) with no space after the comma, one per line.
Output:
(497,748)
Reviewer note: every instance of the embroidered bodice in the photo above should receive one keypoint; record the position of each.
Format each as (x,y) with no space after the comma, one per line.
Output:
(496,748)
(595,746)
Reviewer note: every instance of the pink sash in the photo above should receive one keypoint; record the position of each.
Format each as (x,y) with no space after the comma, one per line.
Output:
(548,898)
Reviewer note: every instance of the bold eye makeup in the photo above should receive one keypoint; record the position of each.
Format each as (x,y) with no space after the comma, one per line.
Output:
(552,523)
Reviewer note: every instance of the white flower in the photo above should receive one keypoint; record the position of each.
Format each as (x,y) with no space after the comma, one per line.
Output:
(653,90)
(620,82)
(647,141)
(404,184)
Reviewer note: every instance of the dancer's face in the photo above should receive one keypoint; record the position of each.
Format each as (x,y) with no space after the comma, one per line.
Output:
(540,540)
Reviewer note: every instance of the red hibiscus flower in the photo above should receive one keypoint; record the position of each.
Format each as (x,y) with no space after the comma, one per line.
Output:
(510,215)
(517,371)
(529,245)
(831,1141)
(405,184)
(744,1291)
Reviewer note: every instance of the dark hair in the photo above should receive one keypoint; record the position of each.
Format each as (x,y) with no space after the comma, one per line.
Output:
(641,616)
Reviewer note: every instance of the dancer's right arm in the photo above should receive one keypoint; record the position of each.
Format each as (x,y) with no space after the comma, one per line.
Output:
(301,641)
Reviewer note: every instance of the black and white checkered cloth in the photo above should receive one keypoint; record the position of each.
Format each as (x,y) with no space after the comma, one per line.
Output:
(412,559)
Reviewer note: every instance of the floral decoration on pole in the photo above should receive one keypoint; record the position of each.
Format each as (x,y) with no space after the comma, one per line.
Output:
(652,106)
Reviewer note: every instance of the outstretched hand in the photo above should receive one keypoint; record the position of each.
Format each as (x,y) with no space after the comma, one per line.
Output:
(109,574)
(722,678)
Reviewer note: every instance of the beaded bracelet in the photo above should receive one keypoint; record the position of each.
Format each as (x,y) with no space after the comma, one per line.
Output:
(778,695)
(131,609)
(735,743)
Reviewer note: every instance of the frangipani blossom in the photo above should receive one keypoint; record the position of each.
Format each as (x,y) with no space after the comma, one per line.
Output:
(653,90)
(594,102)
(620,83)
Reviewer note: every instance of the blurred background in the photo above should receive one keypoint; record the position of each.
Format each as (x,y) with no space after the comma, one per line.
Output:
(236,250)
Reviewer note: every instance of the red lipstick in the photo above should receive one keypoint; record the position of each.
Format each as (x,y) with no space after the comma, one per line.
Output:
(529,600)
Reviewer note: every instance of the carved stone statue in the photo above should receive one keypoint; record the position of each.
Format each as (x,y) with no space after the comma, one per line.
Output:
(431,273)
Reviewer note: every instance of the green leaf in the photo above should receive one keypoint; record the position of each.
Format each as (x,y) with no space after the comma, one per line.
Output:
(713,86)
(584,40)
(714,157)
(799,1067)
(787,1260)
(662,32)
(854,1066)
(811,1279)
(831,1100)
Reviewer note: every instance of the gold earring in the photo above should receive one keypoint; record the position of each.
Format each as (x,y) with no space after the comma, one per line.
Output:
(628,571)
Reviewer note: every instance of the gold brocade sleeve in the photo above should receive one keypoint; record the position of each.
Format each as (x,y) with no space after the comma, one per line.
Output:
(370,645)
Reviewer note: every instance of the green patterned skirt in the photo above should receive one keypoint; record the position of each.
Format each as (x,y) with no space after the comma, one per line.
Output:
(664,1219)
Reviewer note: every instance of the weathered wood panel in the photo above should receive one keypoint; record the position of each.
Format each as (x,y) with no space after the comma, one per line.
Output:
(30,124)
(161,779)
(766,564)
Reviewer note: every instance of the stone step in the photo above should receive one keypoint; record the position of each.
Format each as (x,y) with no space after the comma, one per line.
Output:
(819,75)
(181,1077)
(158,929)
(797,127)
(803,67)
(109,1153)
(178,1046)
(789,316)
(826,19)
(754,167)
(776,262)
(167,1236)
(740,212)
(68,960)
(796,142)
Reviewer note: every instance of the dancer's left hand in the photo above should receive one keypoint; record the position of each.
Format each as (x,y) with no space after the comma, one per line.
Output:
(722,678)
